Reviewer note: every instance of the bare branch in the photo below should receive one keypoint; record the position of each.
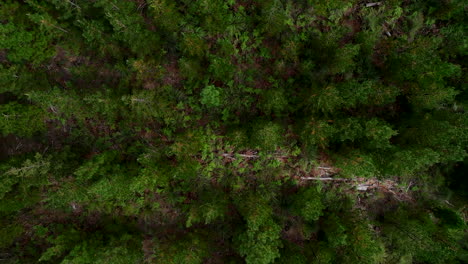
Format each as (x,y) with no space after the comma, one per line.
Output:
(74,4)
(139,100)
(323,179)
(373,4)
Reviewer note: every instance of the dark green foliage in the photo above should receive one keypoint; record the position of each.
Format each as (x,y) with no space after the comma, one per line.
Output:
(21,120)
(191,249)
(418,238)
(23,45)
(308,204)
(22,182)
(259,243)
(239,131)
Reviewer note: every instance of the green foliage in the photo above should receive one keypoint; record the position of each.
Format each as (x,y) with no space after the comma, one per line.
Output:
(128,26)
(221,69)
(100,165)
(308,204)
(267,136)
(273,17)
(24,46)
(363,246)
(9,233)
(449,218)
(260,242)
(194,44)
(335,231)
(146,107)
(118,250)
(260,245)
(31,169)
(165,13)
(21,120)
(64,104)
(427,74)
(274,102)
(211,96)
(419,239)
(22,182)
(344,60)
(292,256)
(191,249)
(208,211)
(354,163)
(353,94)
(232,131)
(372,133)
(74,246)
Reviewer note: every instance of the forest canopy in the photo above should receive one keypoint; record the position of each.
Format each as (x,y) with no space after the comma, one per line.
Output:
(235,131)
